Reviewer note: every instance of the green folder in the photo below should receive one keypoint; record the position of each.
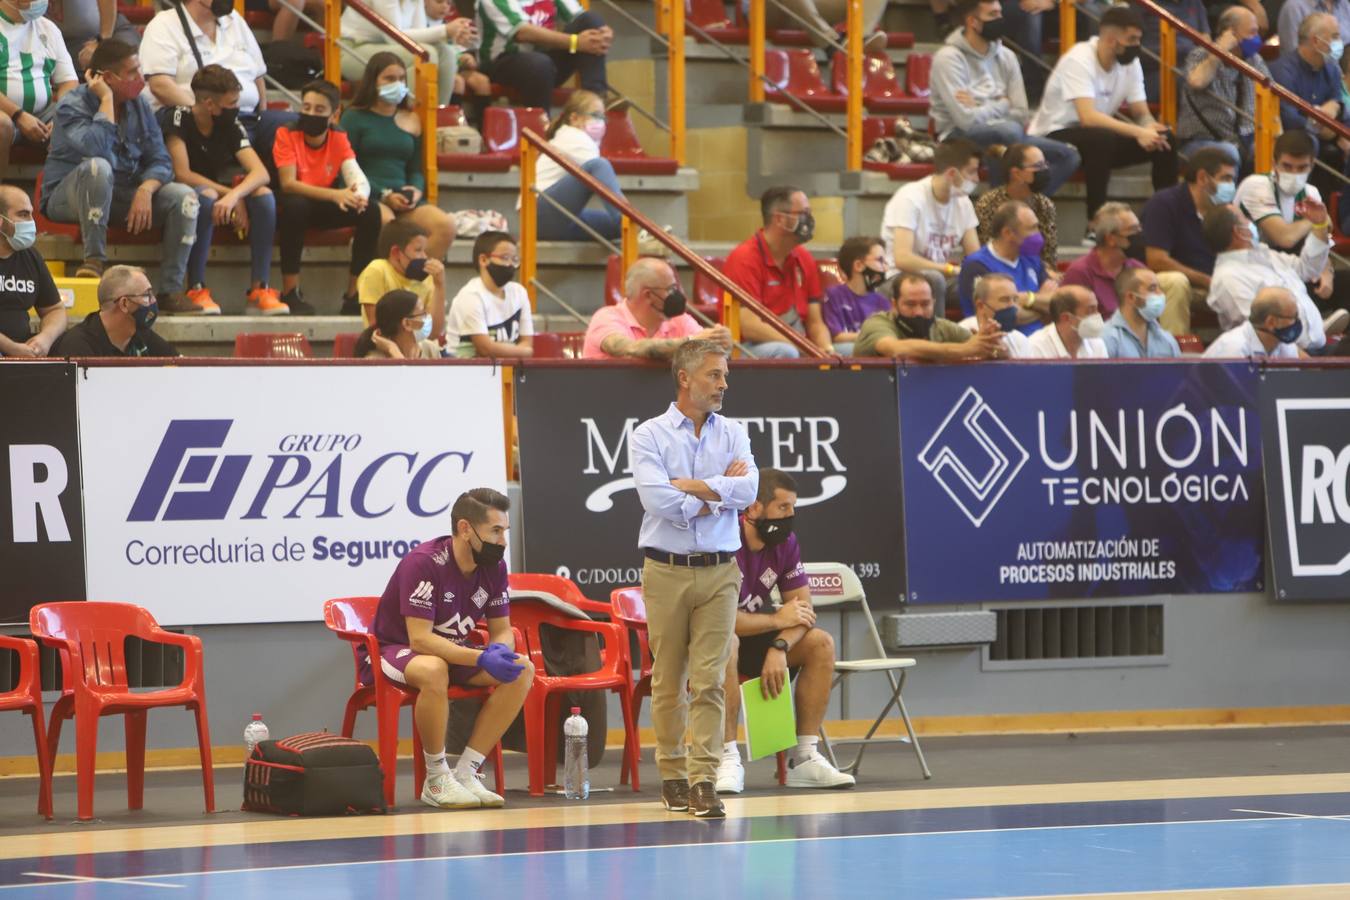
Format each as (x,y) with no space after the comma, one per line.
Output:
(770,725)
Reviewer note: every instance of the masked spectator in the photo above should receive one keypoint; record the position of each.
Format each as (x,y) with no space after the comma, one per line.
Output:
(123,325)
(651,322)
(1075,329)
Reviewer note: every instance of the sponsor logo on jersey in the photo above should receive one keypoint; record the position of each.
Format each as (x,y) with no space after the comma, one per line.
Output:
(479,597)
(422,594)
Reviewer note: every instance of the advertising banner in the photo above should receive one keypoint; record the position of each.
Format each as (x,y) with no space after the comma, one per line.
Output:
(1081,480)
(223,495)
(834,430)
(41,528)
(1305,419)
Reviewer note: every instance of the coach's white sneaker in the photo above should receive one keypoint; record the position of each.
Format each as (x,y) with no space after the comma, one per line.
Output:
(730,774)
(474,785)
(816,772)
(443,791)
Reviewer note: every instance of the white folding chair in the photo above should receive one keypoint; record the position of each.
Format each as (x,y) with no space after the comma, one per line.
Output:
(834,585)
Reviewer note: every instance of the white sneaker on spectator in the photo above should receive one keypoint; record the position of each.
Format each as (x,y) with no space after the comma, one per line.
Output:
(650,246)
(730,775)
(474,785)
(875,42)
(816,772)
(444,792)
(1336,322)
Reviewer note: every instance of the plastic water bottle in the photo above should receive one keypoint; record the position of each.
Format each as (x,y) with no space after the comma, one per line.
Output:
(254,732)
(576,783)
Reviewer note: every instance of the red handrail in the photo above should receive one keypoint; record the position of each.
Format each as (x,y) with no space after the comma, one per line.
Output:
(1241,66)
(805,347)
(390,31)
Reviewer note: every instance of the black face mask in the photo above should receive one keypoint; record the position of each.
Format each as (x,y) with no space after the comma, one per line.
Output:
(1135,249)
(1040,181)
(919,326)
(226,117)
(1127,55)
(221,8)
(416,270)
(674,304)
(774,531)
(872,279)
(993,30)
(312,125)
(501,275)
(488,554)
(806,227)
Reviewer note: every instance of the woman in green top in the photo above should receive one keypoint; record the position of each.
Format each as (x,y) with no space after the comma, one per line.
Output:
(387,137)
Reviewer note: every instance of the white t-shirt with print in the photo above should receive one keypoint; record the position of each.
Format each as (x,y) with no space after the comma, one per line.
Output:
(1078,76)
(938,227)
(476,310)
(1259,198)
(35,62)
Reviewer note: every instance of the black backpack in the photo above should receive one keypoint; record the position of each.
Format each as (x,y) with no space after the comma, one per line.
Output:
(292,64)
(313,774)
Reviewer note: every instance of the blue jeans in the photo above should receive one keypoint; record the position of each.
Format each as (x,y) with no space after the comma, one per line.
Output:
(773,350)
(573,196)
(1062,159)
(262,229)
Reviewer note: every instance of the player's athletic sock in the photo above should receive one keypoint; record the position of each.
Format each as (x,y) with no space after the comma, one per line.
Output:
(806,745)
(730,748)
(469,762)
(436,763)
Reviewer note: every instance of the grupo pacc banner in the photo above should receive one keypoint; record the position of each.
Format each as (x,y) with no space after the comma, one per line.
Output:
(41,528)
(252,494)
(1080,480)
(834,430)
(1305,419)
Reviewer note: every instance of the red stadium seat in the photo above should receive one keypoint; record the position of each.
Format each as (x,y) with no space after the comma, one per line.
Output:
(613,280)
(873,130)
(794,73)
(559,344)
(797,37)
(711,16)
(466,162)
(707,297)
(284,345)
(351,619)
(344,345)
(1190,343)
(624,151)
(882,92)
(26,697)
(830,273)
(91,638)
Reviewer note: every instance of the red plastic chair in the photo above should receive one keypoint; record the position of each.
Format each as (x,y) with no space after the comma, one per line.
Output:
(502,126)
(874,129)
(466,162)
(351,619)
(1190,343)
(711,16)
(613,280)
(90,637)
(624,151)
(544,702)
(830,273)
(26,697)
(882,92)
(707,297)
(344,345)
(795,73)
(559,344)
(283,345)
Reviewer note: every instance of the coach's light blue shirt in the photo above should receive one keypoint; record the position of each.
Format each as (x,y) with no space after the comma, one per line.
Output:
(665,447)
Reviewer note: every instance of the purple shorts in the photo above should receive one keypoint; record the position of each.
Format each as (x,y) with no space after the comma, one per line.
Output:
(394,658)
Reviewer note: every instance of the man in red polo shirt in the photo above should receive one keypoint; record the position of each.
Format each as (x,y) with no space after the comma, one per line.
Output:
(774,267)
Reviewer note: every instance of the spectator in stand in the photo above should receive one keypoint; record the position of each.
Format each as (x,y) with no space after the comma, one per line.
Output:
(123,324)
(468,80)
(85,24)
(910,330)
(576,134)
(1026,182)
(195,33)
(284,19)
(996,310)
(1075,329)
(774,266)
(401,331)
(26,282)
(1191,12)
(1174,240)
(926,222)
(1014,249)
(207,143)
(563,38)
(847,305)
(1211,90)
(107,163)
(1118,242)
(1294,13)
(977,94)
(37,73)
(651,321)
(1025,27)
(445,41)
(311,156)
(387,137)
(1270,331)
(403,265)
(1134,332)
(821,17)
(490,316)
(1087,88)
(1244,265)
(1310,70)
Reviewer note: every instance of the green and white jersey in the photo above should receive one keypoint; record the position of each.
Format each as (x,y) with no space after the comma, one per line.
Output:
(499,19)
(33,60)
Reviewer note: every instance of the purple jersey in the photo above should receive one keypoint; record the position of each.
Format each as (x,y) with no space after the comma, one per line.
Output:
(761,572)
(844,310)
(429,585)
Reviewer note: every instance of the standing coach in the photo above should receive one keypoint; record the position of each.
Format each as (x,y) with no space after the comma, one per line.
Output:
(694,474)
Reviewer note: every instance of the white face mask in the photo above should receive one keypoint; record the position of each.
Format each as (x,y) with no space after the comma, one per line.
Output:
(1291,182)
(965,187)
(1091,326)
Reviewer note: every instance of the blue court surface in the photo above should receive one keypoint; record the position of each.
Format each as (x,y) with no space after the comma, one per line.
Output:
(1041,850)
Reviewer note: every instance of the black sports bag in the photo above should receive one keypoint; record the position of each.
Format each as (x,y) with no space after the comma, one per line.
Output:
(313,774)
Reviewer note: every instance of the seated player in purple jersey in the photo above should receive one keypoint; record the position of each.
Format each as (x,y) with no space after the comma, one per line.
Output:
(768,642)
(440,591)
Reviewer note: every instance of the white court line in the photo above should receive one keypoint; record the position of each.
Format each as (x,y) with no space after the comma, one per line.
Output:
(88,879)
(1266,812)
(705,844)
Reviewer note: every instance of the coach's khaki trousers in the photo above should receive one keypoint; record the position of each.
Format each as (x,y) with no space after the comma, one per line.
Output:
(691,615)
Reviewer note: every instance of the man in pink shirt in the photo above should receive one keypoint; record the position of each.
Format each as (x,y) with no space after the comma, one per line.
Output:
(651,322)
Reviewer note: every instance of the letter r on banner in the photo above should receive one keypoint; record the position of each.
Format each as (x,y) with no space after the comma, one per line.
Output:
(28,495)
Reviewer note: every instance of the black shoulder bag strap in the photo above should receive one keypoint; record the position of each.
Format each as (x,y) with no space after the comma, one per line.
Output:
(187,32)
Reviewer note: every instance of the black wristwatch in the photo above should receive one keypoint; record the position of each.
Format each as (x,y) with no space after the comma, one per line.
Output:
(779,644)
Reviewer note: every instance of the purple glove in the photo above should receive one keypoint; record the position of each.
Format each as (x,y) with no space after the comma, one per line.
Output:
(499,661)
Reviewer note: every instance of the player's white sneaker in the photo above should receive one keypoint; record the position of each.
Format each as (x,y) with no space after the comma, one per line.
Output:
(816,772)
(443,791)
(730,774)
(474,785)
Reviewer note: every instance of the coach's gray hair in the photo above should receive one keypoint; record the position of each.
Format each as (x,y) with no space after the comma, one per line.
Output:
(114,283)
(690,355)
(644,273)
